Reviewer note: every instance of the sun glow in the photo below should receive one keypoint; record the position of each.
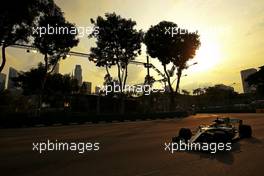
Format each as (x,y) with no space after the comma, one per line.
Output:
(208,55)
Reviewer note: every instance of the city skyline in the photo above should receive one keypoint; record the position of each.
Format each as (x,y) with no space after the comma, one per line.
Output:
(232,40)
(78,75)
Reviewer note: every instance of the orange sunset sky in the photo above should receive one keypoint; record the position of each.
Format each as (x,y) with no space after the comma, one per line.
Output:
(231,34)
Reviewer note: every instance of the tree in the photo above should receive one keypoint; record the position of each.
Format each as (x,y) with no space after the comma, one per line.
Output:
(17,19)
(171,47)
(149,80)
(219,96)
(198,91)
(118,43)
(55,45)
(61,84)
(185,92)
(195,92)
(31,81)
(57,86)
(162,46)
(189,43)
(109,85)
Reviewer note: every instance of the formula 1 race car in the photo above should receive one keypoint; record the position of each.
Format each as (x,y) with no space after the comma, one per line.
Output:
(221,130)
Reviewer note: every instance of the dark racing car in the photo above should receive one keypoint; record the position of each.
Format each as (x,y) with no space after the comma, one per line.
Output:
(221,130)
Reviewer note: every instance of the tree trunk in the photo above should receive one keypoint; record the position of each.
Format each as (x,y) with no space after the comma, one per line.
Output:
(119,78)
(168,77)
(46,62)
(3,58)
(43,83)
(53,67)
(124,83)
(107,71)
(172,102)
(122,109)
(178,80)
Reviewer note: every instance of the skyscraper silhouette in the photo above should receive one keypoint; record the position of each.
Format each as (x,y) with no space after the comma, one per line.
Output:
(244,75)
(78,74)
(12,74)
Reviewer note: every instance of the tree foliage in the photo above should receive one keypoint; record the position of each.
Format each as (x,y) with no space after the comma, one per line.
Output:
(55,45)
(177,49)
(31,82)
(185,92)
(117,43)
(198,91)
(17,19)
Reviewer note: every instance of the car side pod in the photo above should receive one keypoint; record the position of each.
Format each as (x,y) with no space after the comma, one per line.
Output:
(245,131)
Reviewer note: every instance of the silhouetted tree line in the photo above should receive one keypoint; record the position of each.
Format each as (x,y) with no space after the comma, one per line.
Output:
(118,42)
(18,19)
(58,87)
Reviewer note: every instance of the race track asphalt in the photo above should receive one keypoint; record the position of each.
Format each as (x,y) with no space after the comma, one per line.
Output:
(129,149)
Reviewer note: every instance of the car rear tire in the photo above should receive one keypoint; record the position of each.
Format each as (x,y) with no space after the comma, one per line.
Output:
(245,131)
(185,133)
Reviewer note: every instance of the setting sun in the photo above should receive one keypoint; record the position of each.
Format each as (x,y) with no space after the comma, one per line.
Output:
(208,55)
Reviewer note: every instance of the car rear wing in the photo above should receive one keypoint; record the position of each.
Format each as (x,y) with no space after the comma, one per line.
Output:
(228,120)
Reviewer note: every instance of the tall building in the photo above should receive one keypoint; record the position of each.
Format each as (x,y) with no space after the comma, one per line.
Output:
(2,81)
(12,74)
(97,90)
(86,88)
(78,74)
(244,75)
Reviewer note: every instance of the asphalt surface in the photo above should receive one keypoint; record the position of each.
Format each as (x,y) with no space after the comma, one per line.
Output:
(129,149)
